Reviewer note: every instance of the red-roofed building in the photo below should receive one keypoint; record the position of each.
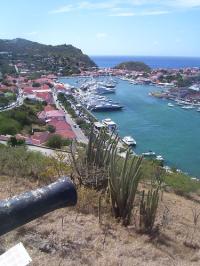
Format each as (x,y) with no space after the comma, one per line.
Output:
(52,114)
(44,96)
(49,108)
(39,138)
(44,87)
(4,138)
(28,90)
(51,76)
(63,129)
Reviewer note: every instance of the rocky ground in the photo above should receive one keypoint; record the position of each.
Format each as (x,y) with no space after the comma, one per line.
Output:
(74,236)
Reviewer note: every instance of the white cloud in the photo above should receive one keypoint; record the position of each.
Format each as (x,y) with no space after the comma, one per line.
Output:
(84,5)
(185,3)
(127,8)
(101,35)
(143,13)
(125,14)
(154,12)
(63,9)
(97,5)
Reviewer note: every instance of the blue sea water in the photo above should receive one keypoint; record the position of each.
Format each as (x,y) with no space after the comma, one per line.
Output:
(152,61)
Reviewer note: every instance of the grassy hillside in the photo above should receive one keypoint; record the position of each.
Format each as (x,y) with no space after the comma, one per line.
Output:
(20,119)
(91,233)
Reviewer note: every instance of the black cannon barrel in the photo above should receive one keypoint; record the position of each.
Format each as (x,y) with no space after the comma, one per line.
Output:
(28,206)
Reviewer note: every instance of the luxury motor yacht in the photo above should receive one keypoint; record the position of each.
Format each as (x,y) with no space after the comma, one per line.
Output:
(106,107)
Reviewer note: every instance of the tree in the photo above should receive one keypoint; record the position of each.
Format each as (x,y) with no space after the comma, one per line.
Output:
(13,142)
(36,84)
(55,141)
(51,128)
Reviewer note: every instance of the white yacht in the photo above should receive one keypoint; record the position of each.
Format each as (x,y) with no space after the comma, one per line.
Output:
(111,125)
(159,158)
(187,107)
(170,105)
(130,141)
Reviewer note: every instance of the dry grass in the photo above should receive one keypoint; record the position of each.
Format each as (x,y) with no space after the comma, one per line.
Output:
(74,236)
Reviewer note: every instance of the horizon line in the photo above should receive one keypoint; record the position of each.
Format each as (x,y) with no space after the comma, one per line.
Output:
(118,55)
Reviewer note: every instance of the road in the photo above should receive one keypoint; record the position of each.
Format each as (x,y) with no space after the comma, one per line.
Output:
(19,102)
(43,150)
(78,132)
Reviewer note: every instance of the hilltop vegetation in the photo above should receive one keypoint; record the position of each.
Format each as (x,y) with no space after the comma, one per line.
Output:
(133,66)
(22,118)
(64,58)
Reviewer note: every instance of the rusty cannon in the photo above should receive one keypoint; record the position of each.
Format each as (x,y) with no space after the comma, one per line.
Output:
(28,206)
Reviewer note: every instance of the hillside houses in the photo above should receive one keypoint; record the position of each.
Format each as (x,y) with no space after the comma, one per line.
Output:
(56,118)
(40,93)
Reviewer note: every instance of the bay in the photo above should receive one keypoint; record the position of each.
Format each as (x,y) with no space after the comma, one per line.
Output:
(173,133)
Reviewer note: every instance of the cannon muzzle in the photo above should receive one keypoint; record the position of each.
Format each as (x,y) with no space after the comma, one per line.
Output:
(28,206)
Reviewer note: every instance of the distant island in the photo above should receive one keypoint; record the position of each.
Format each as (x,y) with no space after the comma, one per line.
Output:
(133,66)
(63,59)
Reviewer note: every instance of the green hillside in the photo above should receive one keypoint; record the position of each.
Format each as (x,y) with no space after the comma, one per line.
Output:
(133,66)
(66,58)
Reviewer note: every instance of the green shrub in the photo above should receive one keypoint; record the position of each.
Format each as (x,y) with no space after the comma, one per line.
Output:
(181,183)
(51,128)
(13,142)
(9,126)
(55,142)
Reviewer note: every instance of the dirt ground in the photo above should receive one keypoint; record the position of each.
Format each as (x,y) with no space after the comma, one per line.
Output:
(70,237)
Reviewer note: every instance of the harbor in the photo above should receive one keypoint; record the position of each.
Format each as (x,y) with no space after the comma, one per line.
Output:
(171,132)
(93,94)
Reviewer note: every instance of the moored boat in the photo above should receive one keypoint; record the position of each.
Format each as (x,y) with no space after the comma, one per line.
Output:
(149,154)
(159,158)
(111,125)
(187,107)
(128,140)
(106,107)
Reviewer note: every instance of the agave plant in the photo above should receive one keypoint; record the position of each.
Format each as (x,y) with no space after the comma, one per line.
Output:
(124,177)
(148,209)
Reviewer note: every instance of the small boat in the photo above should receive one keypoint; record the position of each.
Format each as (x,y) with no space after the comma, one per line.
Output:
(170,105)
(159,158)
(198,109)
(130,141)
(149,154)
(111,125)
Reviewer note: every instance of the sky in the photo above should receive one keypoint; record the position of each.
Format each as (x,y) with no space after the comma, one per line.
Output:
(107,27)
